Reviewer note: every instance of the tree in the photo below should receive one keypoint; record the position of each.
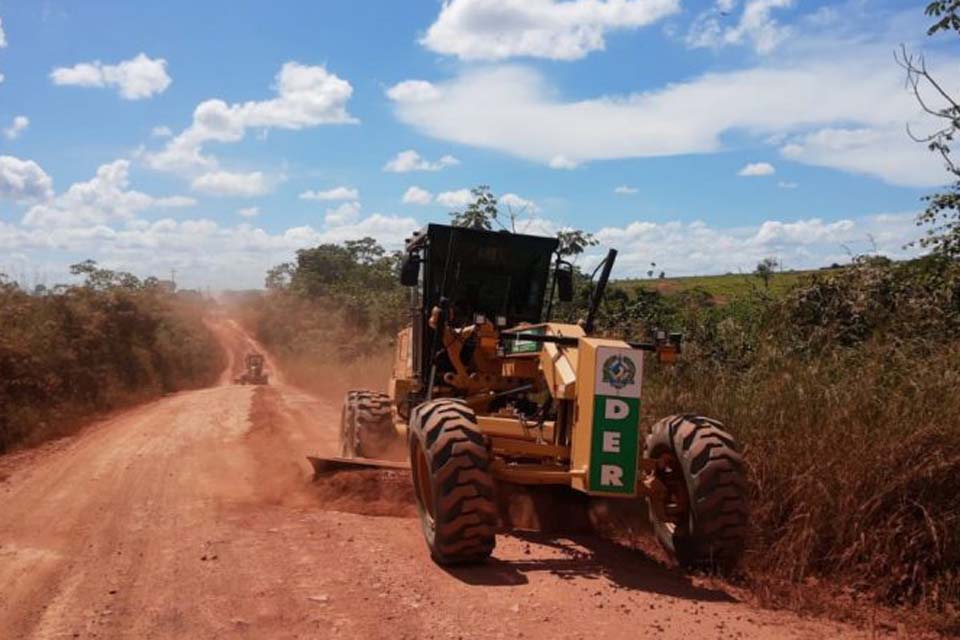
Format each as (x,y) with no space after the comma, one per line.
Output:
(480,213)
(942,215)
(765,270)
(365,251)
(573,242)
(101,279)
(280,276)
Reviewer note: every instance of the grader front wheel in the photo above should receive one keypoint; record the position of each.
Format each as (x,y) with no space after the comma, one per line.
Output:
(703,521)
(452,483)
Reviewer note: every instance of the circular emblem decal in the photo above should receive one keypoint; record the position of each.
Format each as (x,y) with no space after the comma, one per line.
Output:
(619,371)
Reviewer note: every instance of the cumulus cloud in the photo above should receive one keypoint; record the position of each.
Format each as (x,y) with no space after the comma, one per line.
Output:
(3,35)
(562,162)
(249,212)
(514,110)
(307,96)
(204,252)
(756,169)
(342,214)
(226,183)
(23,180)
(518,204)
(416,195)
(103,198)
(757,26)
(161,131)
(568,30)
(413,91)
(410,160)
(624,190)
(135,79)
(455,199)
(800,244)
(337,193)
(18,126)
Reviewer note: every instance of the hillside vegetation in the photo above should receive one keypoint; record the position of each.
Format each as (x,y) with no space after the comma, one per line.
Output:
(842,389)
(720,287)
(74,351)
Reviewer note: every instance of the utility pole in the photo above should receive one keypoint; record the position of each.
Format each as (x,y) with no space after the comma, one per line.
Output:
(173,277)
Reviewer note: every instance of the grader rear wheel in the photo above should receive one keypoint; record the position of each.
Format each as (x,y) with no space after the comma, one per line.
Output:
(452,483)
(366,425)
(704,521)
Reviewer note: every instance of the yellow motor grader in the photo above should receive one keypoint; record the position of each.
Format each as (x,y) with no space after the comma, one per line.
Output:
(486,390)
(253,372)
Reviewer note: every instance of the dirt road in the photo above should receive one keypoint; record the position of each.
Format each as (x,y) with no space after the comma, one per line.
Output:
(193,517)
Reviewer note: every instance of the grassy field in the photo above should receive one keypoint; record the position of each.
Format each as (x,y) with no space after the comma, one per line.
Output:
(722,287)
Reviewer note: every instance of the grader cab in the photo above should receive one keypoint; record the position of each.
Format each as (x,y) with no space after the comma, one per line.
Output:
(487,390)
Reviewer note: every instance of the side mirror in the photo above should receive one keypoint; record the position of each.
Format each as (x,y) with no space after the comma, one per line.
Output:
(564,278)
(410,270)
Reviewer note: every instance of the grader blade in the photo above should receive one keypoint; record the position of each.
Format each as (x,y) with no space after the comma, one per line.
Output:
(322,466)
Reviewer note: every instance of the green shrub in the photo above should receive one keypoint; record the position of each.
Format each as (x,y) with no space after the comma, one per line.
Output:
(79,350)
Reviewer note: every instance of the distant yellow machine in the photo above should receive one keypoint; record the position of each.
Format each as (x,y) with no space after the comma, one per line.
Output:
(484,392)
(253,372)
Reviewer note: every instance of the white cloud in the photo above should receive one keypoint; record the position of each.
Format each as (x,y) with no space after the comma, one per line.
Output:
(135,79)
(455,199)
(624,190)
(23,180)
(412,91)
(203,252)
(786,184)
(416,195)
(337,193)
(756,169)
(410,160)
(562,162)
(226,183)
(756,26)
(161,131)
(569,30)
(3,36)
(877,152)
(517,204)
(307,96)
(512,109)
(342,214)
(249,212)
(800,244)
(103,198)
(18,126)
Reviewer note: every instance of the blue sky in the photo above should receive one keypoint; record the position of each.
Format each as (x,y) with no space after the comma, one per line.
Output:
(217,138)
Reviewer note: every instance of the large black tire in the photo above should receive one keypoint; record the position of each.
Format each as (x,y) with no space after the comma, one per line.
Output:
(711,533)
(454,489)
(366,425)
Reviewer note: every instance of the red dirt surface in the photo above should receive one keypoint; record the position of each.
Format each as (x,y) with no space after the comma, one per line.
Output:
(195,516)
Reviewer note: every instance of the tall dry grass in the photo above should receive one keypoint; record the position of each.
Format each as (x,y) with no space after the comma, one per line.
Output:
(846,398)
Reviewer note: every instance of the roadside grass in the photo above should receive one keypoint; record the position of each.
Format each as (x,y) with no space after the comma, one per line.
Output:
(844,396)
